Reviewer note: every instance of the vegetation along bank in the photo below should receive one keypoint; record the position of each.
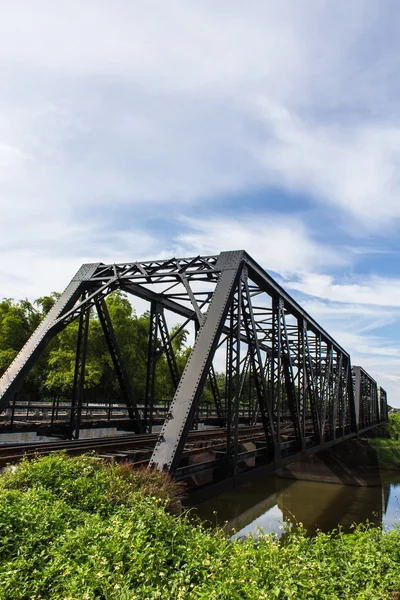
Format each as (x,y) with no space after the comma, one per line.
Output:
(388,448)
(79,528)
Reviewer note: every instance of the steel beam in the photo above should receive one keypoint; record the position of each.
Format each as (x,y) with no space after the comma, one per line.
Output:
(116,357)
(151,366)
(212,378)
(256,361)
(168,349)
(383,410)
(79,374)
(174,432)
(233,376)
(14,376)
(288,371)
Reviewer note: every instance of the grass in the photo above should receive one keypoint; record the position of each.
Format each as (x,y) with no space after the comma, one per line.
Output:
(78,528)
(388,452)
(388,447)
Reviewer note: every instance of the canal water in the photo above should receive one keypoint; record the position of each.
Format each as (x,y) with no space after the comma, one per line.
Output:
(269,502)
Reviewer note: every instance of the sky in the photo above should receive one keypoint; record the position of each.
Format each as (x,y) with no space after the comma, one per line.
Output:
(137,130)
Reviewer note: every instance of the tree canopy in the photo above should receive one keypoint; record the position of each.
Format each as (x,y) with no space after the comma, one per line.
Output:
(54,372)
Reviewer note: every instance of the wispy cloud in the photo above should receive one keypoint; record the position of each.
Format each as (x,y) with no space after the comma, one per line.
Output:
(355,166)
(279,242)
(132,130)
(379,291)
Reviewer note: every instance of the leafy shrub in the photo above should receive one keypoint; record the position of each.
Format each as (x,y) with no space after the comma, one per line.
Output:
(89,483)
(394,426)
(107,538)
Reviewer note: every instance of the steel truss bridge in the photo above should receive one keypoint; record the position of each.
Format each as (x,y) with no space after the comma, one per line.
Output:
(289,387)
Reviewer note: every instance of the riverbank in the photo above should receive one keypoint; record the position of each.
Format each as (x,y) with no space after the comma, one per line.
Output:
(388,452)
(79,528)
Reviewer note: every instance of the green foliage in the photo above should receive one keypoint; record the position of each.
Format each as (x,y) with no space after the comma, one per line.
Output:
(81,529)
(100,379)
(18,320)
(54,372)
(388,451)
(394,425)
(88,483)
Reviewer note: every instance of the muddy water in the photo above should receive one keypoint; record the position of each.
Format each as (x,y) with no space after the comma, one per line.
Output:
(267,503)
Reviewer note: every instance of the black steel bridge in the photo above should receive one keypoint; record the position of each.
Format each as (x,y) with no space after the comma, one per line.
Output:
(289,388)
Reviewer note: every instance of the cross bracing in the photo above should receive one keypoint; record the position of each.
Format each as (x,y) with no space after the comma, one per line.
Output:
(279,364)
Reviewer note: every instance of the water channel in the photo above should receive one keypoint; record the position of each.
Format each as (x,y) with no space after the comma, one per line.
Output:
(267,503)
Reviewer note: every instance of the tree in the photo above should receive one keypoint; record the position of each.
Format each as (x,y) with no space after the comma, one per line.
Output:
(100,378)
(394,425)
(53,373)
(18,320)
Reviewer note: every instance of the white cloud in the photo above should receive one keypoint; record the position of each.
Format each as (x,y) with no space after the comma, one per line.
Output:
(159,107)
(361,290)
(36,270)
(354,167)
(179,44)
(160,102)
(279,243)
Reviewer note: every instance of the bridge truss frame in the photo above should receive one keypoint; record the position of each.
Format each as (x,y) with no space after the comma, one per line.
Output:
(297,381)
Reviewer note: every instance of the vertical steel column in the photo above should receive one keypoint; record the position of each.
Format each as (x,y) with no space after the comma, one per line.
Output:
(245,368)
(229,379)
(383,412)
(375,405)
(311,383)
(233,377)
(384,404)
(12,402)
(354,376)
(168,349)
(259,374)
(348,397)
(253,400)
(289,375)
(276,368)
(337,395)
(79,375)
(215,392)
(151,367)
(343,397)
(197,323)
(122,375)
(302,386)
(325,388)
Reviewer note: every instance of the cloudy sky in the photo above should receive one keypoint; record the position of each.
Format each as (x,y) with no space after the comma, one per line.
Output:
(130,130)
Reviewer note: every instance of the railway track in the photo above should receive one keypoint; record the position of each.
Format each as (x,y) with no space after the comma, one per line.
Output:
(122,445)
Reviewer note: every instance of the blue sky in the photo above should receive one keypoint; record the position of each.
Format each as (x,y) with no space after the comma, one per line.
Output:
(132,130)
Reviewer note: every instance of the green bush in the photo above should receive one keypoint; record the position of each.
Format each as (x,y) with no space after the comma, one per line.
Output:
(394,426)
(81,529)
(88,483)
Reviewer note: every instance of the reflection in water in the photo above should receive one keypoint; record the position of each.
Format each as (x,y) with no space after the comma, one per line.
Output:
(391,483)
(268,502)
